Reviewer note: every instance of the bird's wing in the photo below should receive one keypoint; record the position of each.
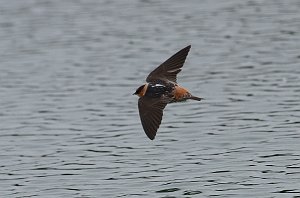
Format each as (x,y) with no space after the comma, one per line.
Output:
(168,70)
(151,112)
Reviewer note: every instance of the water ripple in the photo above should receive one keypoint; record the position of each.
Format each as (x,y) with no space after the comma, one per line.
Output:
(70,126)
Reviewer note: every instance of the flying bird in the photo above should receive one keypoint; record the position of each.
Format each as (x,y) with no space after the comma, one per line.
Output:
(161,89)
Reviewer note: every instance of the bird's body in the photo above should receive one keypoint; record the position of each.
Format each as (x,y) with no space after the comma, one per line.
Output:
(162,88)
(170,92)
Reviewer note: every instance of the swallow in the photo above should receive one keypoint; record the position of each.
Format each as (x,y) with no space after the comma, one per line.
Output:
(160,89)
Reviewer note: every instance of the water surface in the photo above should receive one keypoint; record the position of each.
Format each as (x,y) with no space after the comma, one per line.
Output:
(69,125)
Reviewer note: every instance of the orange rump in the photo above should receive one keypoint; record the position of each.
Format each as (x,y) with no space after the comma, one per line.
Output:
(181,93)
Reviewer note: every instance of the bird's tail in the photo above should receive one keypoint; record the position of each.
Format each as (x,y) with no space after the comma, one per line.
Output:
(195,98)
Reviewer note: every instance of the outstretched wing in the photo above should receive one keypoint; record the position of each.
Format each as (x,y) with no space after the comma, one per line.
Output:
(168,70)
(151,112)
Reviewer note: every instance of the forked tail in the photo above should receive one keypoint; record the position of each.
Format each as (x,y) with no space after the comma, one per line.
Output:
(195,98)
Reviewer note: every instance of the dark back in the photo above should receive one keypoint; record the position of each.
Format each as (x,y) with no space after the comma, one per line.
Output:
(157,90)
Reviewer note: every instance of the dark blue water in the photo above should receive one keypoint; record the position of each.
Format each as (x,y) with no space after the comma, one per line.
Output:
(69,125)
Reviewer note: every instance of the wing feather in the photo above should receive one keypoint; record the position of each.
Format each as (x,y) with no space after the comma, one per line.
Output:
(151,112)
(168,70)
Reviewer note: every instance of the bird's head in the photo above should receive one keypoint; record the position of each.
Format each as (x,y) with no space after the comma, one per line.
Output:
(140,91)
